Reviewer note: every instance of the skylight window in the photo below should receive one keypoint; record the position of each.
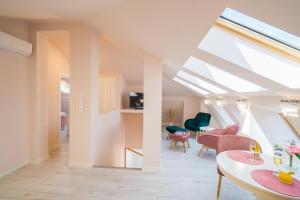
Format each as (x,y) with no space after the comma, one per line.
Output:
(222,77)
(261,28)
(190,86)
(252,57)
(201,83)
(282,71)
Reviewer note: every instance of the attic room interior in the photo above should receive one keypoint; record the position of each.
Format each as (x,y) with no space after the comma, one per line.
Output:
(150,99)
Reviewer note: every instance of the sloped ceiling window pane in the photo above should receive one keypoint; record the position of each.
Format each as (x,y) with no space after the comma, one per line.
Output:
(222,77)
(190,86)
(201,83)
(252,57)
(261,28)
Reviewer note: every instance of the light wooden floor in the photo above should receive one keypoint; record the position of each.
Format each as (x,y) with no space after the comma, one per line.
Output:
(183,176)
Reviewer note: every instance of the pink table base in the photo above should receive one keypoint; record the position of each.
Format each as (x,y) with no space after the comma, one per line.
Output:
(268,180)
(244,157)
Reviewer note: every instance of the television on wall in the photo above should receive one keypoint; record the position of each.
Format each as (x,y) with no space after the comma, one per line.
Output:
(136,100)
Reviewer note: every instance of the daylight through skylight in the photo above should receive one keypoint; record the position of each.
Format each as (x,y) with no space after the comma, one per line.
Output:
(190,86)
(252,57)
(222,77)
(201,83)
(261,28)
(279,70)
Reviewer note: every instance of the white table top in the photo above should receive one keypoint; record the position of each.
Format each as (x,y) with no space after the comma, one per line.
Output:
(240,174)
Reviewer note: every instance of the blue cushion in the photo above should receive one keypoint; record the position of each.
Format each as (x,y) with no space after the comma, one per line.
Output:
(173,129)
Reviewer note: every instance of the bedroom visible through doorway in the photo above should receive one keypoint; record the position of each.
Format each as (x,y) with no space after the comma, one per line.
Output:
(64,109)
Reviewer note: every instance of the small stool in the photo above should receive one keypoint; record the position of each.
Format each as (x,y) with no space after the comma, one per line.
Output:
(173,129)
(183,138)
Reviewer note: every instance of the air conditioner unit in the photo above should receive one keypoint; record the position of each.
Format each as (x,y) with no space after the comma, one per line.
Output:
(14,44)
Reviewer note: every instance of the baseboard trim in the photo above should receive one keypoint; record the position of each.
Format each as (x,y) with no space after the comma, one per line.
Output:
(80,164)
(39,160)
(2,174)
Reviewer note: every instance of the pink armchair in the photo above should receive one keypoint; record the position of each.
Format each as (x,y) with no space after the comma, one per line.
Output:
(210,139)
(231,142)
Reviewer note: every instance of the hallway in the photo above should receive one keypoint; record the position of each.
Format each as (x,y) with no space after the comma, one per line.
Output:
(183,176)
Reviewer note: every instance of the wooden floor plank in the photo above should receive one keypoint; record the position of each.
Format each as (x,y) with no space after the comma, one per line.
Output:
(183,176)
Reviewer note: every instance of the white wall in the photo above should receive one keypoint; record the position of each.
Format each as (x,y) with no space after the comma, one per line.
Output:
(133,130)
(38,97)
(117,59)
(213,120)
(109,138)
(233,112)
(152,113)
(296,123)
(84,102)
(191,106)
(267,127)
(175,104)
(116,130)
(13,101)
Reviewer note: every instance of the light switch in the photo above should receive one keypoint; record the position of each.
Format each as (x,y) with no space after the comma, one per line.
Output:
(81,104)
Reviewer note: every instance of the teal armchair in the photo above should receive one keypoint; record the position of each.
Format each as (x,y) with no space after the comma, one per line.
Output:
(201,120)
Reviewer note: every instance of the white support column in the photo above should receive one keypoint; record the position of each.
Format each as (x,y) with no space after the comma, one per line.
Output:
(84,68)
(38,106)
(152,113)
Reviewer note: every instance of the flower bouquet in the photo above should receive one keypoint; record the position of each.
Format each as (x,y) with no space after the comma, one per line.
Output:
(171,116)
(291,150)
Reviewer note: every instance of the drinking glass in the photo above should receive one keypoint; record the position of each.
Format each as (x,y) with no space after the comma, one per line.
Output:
(277,158)
(252,148)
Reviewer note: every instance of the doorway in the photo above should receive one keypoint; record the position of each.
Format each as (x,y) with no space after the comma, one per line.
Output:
(64,112)
(57,50)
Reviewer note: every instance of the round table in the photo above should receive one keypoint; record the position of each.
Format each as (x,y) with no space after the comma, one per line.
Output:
(240,174)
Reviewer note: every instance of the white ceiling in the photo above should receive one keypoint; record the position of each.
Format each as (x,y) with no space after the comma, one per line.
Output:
(54,9)
(169,29)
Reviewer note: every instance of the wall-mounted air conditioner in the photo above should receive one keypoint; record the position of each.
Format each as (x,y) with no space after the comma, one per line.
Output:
(14,44)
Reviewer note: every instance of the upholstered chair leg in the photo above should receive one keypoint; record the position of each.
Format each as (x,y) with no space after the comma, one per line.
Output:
(188,143)
(184,149)
(197,135)
(201,150)
(219,187)
(172,144)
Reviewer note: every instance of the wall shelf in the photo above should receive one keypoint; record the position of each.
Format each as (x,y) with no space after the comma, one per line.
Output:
(138,111)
